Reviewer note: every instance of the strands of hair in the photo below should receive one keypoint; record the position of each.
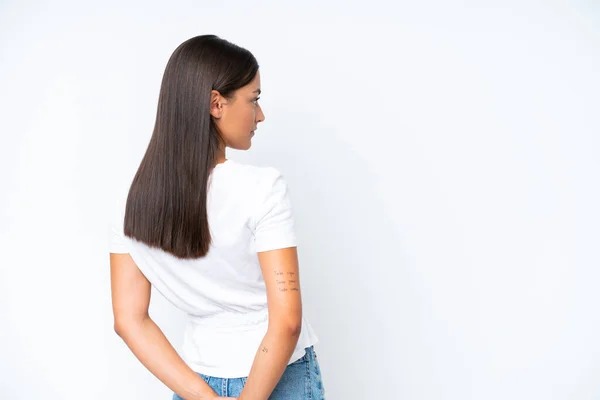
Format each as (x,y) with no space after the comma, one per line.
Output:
(167,202)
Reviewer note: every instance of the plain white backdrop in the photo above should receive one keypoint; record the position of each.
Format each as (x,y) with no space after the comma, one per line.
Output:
(444,164)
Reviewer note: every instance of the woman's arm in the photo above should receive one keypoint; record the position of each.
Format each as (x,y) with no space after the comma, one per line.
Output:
(280,272)
(130,300)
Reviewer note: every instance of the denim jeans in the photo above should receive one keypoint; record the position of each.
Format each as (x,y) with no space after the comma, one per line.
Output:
(300,380)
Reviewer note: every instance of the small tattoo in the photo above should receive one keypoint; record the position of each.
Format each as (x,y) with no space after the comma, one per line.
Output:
(295,289)
(280,282)
(292,281)
(283,289)
(291,273)
(278,273)
(265,350)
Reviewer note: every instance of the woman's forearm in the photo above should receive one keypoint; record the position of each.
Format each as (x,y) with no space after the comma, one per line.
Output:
(269,363)
(151,347)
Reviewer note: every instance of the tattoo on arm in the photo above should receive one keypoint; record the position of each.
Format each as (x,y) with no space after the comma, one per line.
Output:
(290,285)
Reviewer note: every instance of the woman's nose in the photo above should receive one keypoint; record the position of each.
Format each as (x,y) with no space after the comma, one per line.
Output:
(260,116)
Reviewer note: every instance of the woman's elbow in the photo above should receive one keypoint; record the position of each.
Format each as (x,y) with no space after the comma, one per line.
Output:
(123,326)
(119,328)
(294,329)
(287,326)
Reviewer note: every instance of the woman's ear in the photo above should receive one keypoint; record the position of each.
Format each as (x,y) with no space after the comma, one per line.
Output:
(216,104)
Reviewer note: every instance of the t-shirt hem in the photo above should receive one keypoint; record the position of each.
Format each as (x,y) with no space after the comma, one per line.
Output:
(230,373)
(275,246)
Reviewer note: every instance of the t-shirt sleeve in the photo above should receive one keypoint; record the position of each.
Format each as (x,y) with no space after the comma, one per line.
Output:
(116,238)
(274,221)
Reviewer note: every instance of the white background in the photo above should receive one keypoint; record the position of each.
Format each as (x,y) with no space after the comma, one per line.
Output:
(444,162)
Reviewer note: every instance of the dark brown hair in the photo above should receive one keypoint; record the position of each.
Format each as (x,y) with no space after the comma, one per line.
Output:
(166,204)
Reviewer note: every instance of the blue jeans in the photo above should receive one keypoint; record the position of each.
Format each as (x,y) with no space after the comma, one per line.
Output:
(300,380)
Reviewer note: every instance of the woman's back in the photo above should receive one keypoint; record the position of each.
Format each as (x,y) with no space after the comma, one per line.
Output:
(249,210)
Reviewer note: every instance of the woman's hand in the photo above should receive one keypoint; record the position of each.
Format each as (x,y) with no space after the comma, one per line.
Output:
(224,398)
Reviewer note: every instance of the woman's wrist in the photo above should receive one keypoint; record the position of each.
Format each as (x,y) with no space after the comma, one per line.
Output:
(202,392)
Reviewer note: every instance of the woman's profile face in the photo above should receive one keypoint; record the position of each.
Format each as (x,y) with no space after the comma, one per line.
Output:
(238,117)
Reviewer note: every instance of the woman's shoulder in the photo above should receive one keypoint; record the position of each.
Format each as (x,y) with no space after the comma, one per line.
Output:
(258,182)
(258,174)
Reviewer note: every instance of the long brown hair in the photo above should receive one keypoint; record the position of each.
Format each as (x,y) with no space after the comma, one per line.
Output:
(166,204)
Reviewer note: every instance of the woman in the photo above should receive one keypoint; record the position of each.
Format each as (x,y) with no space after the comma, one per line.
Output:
(216,238)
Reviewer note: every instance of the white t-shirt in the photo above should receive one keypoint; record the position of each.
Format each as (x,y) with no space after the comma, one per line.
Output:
(224,293)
